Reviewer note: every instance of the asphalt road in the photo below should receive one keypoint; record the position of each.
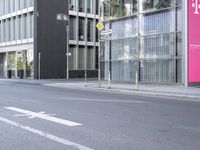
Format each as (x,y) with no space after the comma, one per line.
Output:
(37,117)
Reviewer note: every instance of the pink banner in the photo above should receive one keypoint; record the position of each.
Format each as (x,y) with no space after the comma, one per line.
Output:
(194,41)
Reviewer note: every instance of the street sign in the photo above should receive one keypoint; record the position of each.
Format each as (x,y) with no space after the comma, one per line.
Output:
(100,26)
(105,37)
(106,32)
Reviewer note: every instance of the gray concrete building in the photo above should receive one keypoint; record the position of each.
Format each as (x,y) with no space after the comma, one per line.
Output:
(19,38)
(83,38)
(16,35)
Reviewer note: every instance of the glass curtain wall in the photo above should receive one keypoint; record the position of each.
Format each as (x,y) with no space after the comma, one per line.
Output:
(72,5)
(9,6)
(157,24)
(82,7)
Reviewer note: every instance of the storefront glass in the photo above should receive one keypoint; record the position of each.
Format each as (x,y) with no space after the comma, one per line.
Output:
(156,44)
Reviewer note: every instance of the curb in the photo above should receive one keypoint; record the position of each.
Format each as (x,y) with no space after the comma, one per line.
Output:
(182,97)
(147,93)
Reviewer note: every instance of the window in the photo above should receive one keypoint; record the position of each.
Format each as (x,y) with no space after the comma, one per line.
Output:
(81,57)
(90,6)
(156,4)
(72,28)
(81,29)
(121,8)
(72,57)
(72,5)
(90,58)
(90,29)
(81,5)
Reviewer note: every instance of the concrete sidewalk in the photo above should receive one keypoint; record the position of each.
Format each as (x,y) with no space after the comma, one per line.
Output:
(155,90)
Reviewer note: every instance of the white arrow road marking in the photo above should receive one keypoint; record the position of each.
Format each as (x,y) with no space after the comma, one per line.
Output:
(46,135)
(40,115)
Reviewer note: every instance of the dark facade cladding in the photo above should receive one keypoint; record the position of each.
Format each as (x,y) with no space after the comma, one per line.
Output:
(50,39)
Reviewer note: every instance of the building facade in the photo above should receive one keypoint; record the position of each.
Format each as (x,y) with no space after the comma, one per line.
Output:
(16,35)
(19,34)
(83,38)
(147,40)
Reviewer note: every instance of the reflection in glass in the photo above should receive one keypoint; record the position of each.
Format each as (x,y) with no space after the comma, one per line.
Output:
(81,5)
(81,56)
(121,8)
(72,57)
(72,27)
(72,5)
(90,6)
(156,4)
(90,30)
(81,29)
(90,58)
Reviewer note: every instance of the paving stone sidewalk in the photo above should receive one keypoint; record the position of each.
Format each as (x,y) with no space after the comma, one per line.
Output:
(124,88)
(159,90)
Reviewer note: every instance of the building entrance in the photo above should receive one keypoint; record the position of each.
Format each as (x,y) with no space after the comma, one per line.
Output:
(2,65)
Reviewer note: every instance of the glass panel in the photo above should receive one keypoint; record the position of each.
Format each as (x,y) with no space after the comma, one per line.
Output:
(90,58)
(72,5)
(81,58)
(105,53)
(72,28)
(158,70)
(156,4)
(11,61)
(72,57)
(121,8)
(179,18)
(124,28)
(97,7)
(124,49)
(160,22)
(105,8)
(81,29)
(90,29)
(30,64)
(81,5)
(90,6)
(158,46)
(123,70)
(104,69)
(2,64)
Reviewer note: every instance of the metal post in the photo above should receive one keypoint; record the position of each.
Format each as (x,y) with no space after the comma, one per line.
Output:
(109,77)
(109,80)
(99,50)
(39,65)
(185,43)
(138,50)
(86,85)
(67,54)
(136,79)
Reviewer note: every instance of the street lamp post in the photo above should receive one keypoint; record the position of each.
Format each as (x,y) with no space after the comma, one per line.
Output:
(67,53)
(109,74)
(137,66)
(99,49)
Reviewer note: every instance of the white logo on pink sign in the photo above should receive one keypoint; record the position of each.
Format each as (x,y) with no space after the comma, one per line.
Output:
(196,5)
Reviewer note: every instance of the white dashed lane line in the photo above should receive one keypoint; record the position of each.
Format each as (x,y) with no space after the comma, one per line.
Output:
(46,135)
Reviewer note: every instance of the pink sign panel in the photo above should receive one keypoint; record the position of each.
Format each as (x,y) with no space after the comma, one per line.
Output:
(194,41)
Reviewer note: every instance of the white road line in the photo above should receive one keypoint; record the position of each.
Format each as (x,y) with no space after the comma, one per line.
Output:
(46,135)
(103,100)
(31,114)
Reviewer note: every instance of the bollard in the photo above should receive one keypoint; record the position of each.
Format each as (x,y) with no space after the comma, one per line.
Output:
(109,80)
(86,79)
(136,80)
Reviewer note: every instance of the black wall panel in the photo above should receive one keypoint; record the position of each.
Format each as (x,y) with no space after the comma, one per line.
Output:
(50,38)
